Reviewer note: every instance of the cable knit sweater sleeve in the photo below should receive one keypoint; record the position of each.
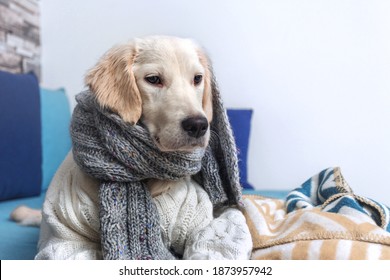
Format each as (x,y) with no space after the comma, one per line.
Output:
(189,228)
(70,224)
(183,209)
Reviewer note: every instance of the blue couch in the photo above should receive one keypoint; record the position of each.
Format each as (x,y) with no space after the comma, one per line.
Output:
(35,139)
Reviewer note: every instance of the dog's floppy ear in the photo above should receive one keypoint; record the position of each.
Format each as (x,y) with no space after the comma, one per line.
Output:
(207,102)
(112,81)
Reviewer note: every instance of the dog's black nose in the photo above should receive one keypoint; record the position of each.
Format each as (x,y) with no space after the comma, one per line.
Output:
(195,126)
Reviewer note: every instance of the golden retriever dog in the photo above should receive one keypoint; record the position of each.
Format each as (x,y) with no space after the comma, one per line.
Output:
(163,82)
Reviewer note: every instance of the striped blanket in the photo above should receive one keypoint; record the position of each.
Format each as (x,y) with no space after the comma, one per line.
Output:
(322,219)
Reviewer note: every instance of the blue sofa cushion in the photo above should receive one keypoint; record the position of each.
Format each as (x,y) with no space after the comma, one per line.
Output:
(56,142)
(240,120)
(20,137)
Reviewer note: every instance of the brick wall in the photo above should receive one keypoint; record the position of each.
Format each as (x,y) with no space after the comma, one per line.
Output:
(19,36)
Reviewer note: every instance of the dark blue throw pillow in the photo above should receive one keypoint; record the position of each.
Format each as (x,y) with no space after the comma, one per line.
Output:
(240,120)
(20,136)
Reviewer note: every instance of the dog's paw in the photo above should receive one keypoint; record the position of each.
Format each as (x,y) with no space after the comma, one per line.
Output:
(26,216)
(226,237)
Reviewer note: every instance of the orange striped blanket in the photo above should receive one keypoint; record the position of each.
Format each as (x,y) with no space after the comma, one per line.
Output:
(323,219)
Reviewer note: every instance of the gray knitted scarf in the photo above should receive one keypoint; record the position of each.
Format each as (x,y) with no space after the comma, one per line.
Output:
(123,157)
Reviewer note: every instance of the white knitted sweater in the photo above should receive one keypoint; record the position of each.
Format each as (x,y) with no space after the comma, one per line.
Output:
(70,224)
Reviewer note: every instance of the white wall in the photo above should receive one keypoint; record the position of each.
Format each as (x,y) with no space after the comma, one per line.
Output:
(317,74)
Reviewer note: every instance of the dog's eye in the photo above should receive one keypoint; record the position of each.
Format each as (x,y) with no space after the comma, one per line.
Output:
(198,79)
(154,80)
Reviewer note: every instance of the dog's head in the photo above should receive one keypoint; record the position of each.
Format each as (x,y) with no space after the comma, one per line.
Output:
(162,81)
